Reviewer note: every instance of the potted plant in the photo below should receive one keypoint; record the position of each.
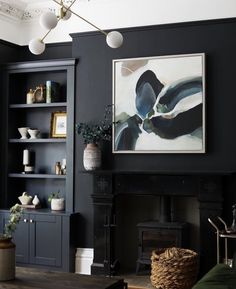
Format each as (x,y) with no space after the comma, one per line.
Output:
(92,135)
(57,202)
(7,247)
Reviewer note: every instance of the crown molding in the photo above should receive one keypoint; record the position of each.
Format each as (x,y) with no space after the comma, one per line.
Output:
(11,11)
(32,11)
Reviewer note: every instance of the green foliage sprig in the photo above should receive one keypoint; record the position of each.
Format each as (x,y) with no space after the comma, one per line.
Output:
(94,133)
(54,195)
(15,215)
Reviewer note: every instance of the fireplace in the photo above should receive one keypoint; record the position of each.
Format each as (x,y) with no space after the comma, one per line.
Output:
(109,186)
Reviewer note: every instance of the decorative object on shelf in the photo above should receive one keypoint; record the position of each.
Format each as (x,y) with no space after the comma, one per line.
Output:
(58,124)
(25,199)
(26,157)
(92,135)
(63,166)
(36,201)
(7,247)
(28,169)
(40,94)
(57,202)
(30,97)
(34,133)
(58,168)
(49,20)
(52,91)
(23,132)
(161,109)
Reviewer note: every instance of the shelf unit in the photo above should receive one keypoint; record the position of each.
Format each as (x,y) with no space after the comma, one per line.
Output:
(39,226)
(44,151)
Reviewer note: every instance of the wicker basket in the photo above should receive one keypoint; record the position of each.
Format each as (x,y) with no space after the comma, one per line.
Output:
(174,268)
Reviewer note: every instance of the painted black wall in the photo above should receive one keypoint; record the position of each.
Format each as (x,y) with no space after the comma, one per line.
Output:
(52,51)
(216,39)
(8,52)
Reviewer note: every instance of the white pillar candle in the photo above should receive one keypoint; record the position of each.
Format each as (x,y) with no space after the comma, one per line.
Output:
(63,163)
(26,157)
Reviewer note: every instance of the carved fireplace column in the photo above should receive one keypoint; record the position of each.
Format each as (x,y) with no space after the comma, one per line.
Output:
(210,205)
(104,223)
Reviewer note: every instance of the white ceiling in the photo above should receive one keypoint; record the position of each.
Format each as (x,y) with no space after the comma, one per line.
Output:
(19,18)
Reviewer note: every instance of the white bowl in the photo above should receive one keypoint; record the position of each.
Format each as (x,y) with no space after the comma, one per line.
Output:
(34,133)
(25,200)
(23,132)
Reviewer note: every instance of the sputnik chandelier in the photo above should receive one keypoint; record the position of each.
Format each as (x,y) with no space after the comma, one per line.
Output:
(49,20)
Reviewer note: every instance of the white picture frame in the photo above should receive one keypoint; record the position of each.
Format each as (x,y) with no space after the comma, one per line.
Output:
(159,104)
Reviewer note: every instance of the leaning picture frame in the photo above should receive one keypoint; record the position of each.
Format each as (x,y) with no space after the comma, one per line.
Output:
(159,104)
(58,124)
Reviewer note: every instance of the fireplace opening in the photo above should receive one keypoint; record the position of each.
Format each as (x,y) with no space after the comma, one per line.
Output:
(141,227)
(154,235)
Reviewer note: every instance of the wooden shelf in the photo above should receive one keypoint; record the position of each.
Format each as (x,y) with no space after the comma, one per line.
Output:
(38,105)
(36,176)
(38,140)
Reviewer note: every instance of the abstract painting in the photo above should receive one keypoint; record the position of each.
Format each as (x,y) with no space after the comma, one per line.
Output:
(159,104)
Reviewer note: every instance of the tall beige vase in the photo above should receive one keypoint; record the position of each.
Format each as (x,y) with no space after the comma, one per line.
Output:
(92,157)
(7,259)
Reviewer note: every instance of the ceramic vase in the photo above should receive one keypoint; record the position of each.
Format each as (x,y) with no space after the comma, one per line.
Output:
(36,200)
(92,157)
(7,259)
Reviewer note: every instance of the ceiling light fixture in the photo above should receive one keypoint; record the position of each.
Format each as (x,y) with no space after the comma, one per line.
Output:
(49,21)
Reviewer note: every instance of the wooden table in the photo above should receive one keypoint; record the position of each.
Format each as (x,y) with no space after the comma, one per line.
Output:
(29,278)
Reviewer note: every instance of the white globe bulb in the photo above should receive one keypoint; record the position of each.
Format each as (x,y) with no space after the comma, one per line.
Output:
(48,20)
(36,46)
(68,14)
(114,39)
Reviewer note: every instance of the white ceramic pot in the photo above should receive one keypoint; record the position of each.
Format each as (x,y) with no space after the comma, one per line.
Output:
(7,259)
(23,132)
(34,133)
(92,157)
(58,204)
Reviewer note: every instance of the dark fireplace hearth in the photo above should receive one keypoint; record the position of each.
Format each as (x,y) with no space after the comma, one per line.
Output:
(110,186)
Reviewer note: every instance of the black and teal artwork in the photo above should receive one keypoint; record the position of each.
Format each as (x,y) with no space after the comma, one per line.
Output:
(159,104)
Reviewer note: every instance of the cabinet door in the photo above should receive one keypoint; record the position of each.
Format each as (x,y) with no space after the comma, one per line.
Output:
(20,237)
(45,240)
(21,240)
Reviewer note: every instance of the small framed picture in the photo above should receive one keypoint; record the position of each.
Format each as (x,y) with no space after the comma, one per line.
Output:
(58,124)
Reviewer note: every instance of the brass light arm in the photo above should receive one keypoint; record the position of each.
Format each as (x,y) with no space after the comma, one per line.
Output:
(66,9)
(102,31)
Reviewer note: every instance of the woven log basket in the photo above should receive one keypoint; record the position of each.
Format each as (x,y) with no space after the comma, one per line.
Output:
(174,268)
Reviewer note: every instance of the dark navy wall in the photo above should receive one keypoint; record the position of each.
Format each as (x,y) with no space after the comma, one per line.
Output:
(8,52)
(216,39)
(52,51)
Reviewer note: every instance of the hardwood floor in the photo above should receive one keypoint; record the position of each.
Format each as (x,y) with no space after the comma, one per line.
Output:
(137,281)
